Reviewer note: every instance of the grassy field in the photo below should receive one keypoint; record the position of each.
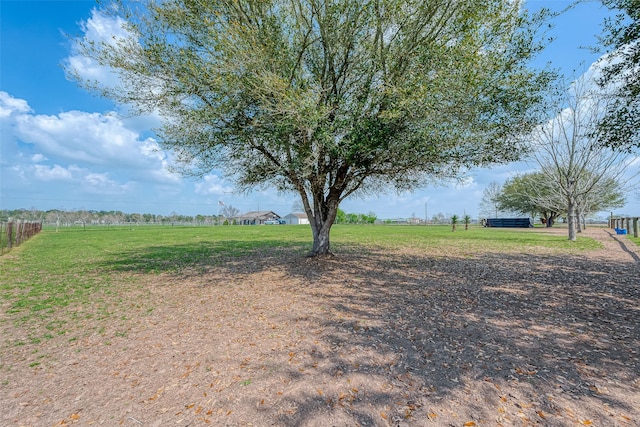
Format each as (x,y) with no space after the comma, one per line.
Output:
(87,271)
(230,325)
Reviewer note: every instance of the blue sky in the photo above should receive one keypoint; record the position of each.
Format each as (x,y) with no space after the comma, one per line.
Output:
(64,148)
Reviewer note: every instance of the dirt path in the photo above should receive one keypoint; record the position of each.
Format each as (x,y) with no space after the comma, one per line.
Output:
(616,247)
(375,339)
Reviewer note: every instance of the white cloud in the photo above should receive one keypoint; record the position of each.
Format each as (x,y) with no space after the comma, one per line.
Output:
(10,105)
(79,153)
(100,183)
(151,149)
(466,183)
(100,28)
(89,138)
(54,173)
(212,185)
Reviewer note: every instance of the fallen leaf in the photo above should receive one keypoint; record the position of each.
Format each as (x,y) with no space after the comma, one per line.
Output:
(541,414)
(587,422)
(383,415)
(469,424)
(624,417)
(75,417)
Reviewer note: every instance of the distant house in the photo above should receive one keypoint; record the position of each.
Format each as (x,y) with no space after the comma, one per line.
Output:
(256,217)
(297,218)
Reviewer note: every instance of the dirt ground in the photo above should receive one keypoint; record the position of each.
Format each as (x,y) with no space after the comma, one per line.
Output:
(375,339)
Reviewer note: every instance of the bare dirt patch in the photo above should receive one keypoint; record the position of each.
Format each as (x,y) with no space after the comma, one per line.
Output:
(369,339)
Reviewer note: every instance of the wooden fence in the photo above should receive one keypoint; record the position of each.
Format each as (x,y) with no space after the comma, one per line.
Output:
(13,233)
(630,224)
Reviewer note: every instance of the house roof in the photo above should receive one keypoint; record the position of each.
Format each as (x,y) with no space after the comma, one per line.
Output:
(258,215)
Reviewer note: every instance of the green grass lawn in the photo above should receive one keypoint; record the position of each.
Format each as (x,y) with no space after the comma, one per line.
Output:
(87,271)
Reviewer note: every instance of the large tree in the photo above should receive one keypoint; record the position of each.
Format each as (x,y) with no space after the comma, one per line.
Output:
(620,128)
(328,98)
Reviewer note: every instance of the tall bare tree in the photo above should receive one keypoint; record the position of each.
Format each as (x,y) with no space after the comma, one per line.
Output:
(490,203)
(229,212)
(570,153)
(329,98)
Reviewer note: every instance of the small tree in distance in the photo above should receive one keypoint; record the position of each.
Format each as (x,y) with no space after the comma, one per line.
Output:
(467,221)
(454,221)
(229,212)
(489,203)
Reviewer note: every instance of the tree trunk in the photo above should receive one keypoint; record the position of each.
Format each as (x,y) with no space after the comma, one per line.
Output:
(571,218)
(322,218)
(578,222)
(321,243)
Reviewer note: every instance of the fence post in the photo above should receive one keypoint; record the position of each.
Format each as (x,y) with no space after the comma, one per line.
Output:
(9,234)
(635,227)
(17,232)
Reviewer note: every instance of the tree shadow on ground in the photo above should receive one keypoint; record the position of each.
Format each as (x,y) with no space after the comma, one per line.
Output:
(624,244)
(409,339)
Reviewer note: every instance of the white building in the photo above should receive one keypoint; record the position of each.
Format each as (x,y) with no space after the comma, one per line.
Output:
(297,218)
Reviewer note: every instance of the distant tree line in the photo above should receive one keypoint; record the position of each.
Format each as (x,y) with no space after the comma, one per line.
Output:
(343,217)
(65,218)
(92,217)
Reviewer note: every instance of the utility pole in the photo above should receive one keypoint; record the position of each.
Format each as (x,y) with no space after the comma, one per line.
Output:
(426,216)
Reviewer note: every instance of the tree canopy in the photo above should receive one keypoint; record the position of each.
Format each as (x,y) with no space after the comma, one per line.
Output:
(620,128)
(532,194)
(330,98)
